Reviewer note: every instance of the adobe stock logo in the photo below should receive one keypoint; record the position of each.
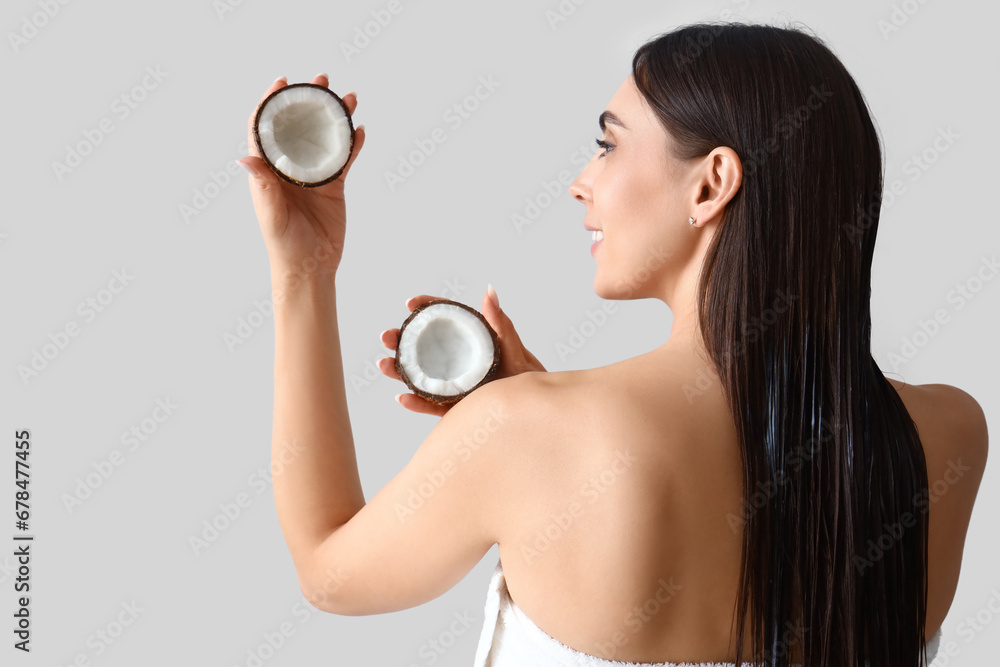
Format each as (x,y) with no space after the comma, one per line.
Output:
(364,34)
(638,617)
(899,17)
(136,436)
(31,27)
(593,488)
(455,116)
(927,329)
(464,449)
(122,107)
(88,310)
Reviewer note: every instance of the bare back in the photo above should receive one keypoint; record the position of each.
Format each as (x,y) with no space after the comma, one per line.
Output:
(623,539)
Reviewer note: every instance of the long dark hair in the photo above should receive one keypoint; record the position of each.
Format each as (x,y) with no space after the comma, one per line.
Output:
(834,539)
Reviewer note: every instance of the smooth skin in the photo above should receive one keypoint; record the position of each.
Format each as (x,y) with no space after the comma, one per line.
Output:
(607,490)
(353,557)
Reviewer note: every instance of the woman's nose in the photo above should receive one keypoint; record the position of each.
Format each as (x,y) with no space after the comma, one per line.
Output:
(579,189)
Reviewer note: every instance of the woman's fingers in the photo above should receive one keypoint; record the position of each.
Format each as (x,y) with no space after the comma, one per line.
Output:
(359,142)
(280,82)
(533,360)
(414,403)
(388,367)
(409,401)
(350,99)
(390,338)
(415,301)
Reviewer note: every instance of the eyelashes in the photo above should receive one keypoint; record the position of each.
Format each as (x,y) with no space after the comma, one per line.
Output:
(605,145)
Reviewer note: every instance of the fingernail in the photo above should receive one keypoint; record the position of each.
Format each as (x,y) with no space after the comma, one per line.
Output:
(399,398)
(351,93)
(493,295)
(281,78)
(323,74)
(247,168)
(382,335)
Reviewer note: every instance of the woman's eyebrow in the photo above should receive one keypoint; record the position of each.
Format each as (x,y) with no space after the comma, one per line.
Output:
(610,117)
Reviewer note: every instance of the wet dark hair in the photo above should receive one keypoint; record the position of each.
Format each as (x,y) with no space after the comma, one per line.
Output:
(832,462)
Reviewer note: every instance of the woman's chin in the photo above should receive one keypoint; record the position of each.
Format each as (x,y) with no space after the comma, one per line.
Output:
(604,289)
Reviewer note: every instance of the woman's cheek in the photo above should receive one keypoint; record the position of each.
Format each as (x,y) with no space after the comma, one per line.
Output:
(611,195)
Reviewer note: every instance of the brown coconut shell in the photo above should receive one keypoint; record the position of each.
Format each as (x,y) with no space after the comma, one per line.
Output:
(260,148)
(439,399)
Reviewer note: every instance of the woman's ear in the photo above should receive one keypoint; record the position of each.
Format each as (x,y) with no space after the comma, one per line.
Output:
(723,174)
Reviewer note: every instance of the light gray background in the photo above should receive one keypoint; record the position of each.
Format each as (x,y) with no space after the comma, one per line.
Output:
(447,230)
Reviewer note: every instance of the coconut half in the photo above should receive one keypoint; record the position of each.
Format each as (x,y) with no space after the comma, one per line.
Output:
(446,349)
(304,133)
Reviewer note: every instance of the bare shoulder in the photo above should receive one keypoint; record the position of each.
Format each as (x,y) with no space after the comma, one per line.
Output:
(536,394)
(948,419)
(547,440)
(532,399)
(952,429)
(963,415)
(523,393)
(524,406)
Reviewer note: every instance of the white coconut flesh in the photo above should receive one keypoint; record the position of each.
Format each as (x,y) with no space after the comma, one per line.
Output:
(445,350)
(305,133)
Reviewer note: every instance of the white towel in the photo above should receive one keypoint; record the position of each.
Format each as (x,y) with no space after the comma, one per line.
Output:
(510,639)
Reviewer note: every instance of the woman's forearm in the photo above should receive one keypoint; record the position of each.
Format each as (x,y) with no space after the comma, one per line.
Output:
(317,487)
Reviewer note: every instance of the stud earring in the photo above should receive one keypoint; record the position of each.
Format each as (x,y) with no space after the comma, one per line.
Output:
(691,220)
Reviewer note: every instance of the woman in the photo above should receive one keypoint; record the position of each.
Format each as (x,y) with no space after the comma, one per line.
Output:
(754,489)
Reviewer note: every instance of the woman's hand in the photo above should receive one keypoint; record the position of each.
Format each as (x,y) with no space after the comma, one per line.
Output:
(514,357)
(303,228)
